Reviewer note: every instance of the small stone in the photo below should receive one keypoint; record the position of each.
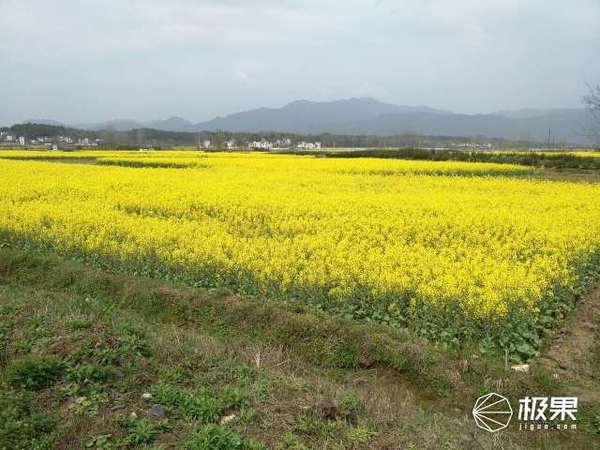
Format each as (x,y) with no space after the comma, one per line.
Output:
(117,373)
(327,409)
(225,420)
(146,396)
(133,415)
(157,411)
(524,368)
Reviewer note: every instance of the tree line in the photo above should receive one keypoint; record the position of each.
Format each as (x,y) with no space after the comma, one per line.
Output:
(165,139)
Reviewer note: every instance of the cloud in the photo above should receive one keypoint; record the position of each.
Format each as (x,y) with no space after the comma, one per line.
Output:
(153,58)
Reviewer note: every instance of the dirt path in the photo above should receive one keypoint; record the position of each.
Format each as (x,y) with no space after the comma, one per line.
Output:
(573,352)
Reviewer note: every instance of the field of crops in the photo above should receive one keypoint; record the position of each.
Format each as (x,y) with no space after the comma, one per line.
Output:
(458,252)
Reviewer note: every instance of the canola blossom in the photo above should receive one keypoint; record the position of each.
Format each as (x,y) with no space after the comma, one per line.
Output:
(431,245)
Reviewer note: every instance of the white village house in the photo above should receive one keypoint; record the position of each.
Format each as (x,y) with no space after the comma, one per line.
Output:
(261,145)
(308,146)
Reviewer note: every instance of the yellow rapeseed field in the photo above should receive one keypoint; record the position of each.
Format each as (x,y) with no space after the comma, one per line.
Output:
(451,249)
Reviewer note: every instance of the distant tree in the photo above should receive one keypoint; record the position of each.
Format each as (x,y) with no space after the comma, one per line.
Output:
(592,101)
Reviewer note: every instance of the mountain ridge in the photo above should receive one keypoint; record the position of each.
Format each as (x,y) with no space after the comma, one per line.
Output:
(364,115)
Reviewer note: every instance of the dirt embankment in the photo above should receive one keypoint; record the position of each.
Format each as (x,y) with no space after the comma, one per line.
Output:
(574,351)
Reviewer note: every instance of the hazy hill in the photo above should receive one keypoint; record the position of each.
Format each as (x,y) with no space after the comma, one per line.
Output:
(368,116)
(306,116)
(563,126)
(171,124)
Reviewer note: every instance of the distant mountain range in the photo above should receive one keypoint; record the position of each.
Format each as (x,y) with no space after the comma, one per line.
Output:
(368,116)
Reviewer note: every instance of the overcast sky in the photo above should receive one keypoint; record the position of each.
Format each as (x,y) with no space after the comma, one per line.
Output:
(91,60)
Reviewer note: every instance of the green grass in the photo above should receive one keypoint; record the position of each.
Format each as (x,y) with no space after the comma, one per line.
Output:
(34,372)
(21,427)
(325,342)
(81,347)
(215,437)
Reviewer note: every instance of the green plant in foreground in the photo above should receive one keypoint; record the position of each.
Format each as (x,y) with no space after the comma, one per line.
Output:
(195,405)
(360,435)
(102,442)
(20,426)
(90,405)
(79,324)
(350,406)
(216,437)
(345,357)
(141,432)
(591,422)
(35,372)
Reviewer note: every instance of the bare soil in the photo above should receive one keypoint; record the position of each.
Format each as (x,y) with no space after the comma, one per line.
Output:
(570,354)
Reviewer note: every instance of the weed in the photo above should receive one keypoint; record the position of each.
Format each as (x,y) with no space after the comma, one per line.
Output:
(90,405)
(38,327)
(350,404)
(292,442)
(262,391)
(345,357)
(88,373)
(173,374)
(133,343)
(102,442)
(79,324)
(141,432)
(308,424)
(233,397)
(216,437)
(101,353)
(594,424)
(20,427)
(199,405)
(359,435)
(23,345)
(35,372)
(244,373)
(247,415)
(350,407)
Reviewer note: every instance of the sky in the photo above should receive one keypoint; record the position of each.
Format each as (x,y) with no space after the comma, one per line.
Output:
(94,60)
